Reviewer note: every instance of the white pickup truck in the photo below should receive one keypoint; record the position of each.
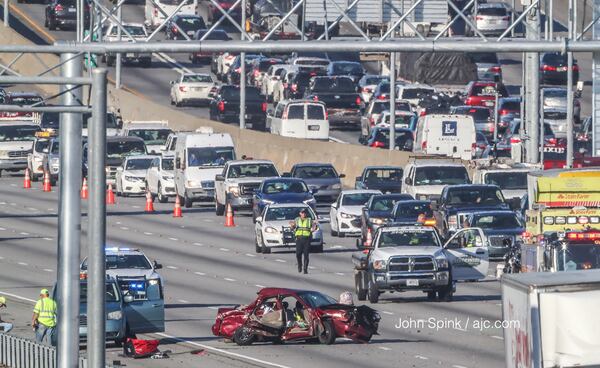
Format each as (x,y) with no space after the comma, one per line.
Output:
(405,258)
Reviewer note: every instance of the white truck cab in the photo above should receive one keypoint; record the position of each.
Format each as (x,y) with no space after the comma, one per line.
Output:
(154,133)
(511,178)
(199,157)
(425,179)
(446,135)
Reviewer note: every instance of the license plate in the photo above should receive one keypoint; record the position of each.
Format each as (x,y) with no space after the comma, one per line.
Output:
(72,10)
(199,89)
(489,103)
(314,127)
(412,282)
(129,55)
(562,68)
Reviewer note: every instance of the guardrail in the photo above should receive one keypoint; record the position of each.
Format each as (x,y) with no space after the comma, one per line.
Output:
(17,352)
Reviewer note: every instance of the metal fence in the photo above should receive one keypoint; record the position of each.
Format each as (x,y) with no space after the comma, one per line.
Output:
(17,352)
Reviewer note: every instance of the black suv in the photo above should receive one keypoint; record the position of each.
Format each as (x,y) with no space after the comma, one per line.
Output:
(63,14)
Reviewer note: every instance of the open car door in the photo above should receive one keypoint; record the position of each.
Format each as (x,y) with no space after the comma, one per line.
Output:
(267,319)
(468,254)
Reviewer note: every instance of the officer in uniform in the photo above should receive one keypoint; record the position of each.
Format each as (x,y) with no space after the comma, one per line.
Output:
(44,318)
(303,227)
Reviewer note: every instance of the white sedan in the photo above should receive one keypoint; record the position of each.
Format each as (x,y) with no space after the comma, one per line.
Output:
(345,213)
(273,228)
(160,178)
(131,176)
(191,89)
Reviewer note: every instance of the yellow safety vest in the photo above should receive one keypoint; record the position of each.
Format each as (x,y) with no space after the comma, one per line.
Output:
(45,308)
(303,227)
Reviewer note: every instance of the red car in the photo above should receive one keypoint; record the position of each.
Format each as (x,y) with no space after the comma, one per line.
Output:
(280,315)
(484,93)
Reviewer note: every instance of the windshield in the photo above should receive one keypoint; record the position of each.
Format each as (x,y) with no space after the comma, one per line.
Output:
(356,199)
(554,93)
(190,23)
(286,213)
(554,58)
(152,137)
(477,114)
(210,156)
(275,187)
(492,11)
(497,222)
(117,149)
(343,85)
(579,257)
(233,93)
(252,170)
(418,238)
(138,164)
(379,175)
(412,211)
(507,179)
(40,145)
(510,105)
(167,164)
(197,78)
(555,115)
(18,133)
(125,261)
(315,172)
(347,68)
(441,175)
(133,30)
(112,292)
(316,299)
(474,196)
(373,80)
(55,146)
(385,204)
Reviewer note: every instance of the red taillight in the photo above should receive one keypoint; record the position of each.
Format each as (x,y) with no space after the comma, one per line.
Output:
(238,70)
(58,8)
(315,98)
(183,88)
(378,144)
(221,106)
(294,87)
(496,69)
(575,68)
(504,112)
(549,68)
(473,146)
(479,18)
(552,140)
(358,101)
(381,97)
(263,107)
(256,72)
(174,29)
(468,101)
(423,112)
(285,85)
(515,140)
(424,145)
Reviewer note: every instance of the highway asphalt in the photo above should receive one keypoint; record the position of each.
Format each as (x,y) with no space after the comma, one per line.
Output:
(207,266)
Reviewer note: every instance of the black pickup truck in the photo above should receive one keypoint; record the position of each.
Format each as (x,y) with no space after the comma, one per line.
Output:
(225,106)
(340,95)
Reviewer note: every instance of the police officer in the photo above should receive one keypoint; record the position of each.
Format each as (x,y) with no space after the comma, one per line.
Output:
(303,226)
(44,318)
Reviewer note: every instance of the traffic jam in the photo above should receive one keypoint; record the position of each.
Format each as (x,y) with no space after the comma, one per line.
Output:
(464,208)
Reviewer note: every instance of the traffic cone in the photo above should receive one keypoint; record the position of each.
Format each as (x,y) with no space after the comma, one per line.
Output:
(46,186)
(177,208)
(110,195)
(229,217)
(369,239)
(27,179)
(84,189)
(149,202)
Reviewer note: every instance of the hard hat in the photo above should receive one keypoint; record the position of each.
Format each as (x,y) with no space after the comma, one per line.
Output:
(44,292)
(2,300)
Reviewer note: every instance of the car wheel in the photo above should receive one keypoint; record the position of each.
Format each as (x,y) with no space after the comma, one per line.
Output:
(219,208)
(265,249)
(34,177)
(243,336)
(326,333)
(161,198)
(318,248)
(361,293)
(446,294)
(187,202)
(257,245)
(431,295)
(333,232)
(172,102)
(177,103)
(373,293)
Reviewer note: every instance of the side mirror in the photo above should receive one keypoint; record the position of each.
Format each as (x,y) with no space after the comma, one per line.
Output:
(407,181)
(334,205)
(128,298)
(219,177)
(178,162)
(314,190)
(157,266)
(259,219)
(342,176)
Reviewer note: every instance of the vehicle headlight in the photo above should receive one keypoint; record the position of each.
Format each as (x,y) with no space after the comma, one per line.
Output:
(3,153)
(235,190)
(336,186)
(345,215)
(442,263)
(153,281)
(377,221)
(193,183)
(270,230)
(130,178)
(379,265)
(115,315)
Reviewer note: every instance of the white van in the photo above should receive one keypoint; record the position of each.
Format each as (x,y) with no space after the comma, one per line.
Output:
(299,119)
(446,135)
(199,157)
(16,142)
(154,17)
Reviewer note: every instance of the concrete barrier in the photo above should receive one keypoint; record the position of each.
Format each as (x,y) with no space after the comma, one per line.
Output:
(348,159)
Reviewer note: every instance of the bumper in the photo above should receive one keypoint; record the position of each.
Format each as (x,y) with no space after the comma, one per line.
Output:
(195,100)
(37,168)
(276,240)
(240,203)
(342,117)
(557,77)
(349,226)
(411,280)
(115,330)
(13,164)
(201,194)
(131,187)
(168,190)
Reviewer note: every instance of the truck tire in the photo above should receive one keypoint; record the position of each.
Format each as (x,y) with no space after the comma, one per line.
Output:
(187,202)
(219,208)
(243,336)
(326,333)
(373,293)
(161,198)
(361,293)
(446,294)
(257,245)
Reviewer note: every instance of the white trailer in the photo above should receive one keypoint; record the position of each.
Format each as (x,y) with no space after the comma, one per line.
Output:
(551,319)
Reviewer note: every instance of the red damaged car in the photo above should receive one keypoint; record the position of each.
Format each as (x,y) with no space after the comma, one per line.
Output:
(278,315)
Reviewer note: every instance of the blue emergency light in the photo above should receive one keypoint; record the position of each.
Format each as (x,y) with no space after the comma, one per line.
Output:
(136,286)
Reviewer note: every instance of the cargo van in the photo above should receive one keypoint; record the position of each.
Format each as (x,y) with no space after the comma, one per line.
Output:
(199,157)
(16,142)
(154,16)
(446,135)
(154,133)
(299,119)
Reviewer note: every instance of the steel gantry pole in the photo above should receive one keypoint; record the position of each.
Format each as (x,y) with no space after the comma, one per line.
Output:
(69,219)
(243,73)
(97,223)
(392,101)
(572,35)
(532,87)
(118,60)
(6,13)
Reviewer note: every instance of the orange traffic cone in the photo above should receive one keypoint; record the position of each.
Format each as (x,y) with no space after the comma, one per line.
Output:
(46,186)
(27,179)
(110,195)
(369,239)
(177,208)
(84,189)
(229,217)
(149,202)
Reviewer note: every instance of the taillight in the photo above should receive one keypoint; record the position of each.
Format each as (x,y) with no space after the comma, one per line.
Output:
(381,97)
(423,112)
(424,145)
(183,88)
(238,70)
(479,18)
(326,115)
(263,107)
(378,144)
(315,98)
(285,85)
(174,29)
(496,69)
(552,140)
(358,100)
(506,18)
(367,90)
(221,106)
(468,101)
(504,112)
(58,8)
(473,146)
(256,73)
(549,68)
(575,68)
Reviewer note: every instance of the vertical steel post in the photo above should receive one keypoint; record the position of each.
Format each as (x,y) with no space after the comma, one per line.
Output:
(596,83)
(496,115)
(118,60)
(303,25)
(96,312)
(69,219)
(532,81)
(243,73)
(512,17)
(550,14)
(572,35)
(542,130)
(392,101)
(6,14)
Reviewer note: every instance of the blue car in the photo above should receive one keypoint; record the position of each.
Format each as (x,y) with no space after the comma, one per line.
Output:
(281,190)
(499,227)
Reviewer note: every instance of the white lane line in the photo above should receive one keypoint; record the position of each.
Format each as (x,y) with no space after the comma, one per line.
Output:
(172,267)
(13,204)
(230,280)
(250,255)
(224,249)
(24,233)
(2,229)
(458,366)
(421,357)
(312,268)
(17,296)
(13,185)
(118,222)
(136,206)
(387,312)
(182,226)
(208,220)
(336,247)
(260,286)
(199,244)
(47,239)
(497,337)
(280,260)
(174,239)
(32,209)
(147,233)
(183,301)
(50,209)
(22,264)
(48,270)
(215,308)
(499,304)
(384,348)
(336,140)
(200,273)
(224,352)
(2,202)
(175,65)
(1,257)
(339,273)
(124,228)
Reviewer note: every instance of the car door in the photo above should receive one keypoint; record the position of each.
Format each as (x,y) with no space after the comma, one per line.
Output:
(468,254)
(146,312)
(154,176)
(333,213)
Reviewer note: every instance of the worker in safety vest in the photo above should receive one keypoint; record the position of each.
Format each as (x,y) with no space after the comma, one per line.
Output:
(303,228)
(44,318)
(4,326)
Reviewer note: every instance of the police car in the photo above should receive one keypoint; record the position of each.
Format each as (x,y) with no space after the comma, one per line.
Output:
(141,286)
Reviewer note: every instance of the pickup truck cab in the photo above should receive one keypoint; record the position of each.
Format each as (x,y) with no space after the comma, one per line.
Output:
(239,180)
(512,179)
(387,179)
(425,179)
(225,106)
(405,258)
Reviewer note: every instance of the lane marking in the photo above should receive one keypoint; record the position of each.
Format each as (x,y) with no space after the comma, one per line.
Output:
(224,249)
(17,296)
(147,233)
(384,348)
(337,140)
(48,270)
(387,312)
(200,273)
(136,206)
(230,280)
(22,264)
(174,239)
(208,220)
(260,286)
(2,229)
(280,260)
(339,273)
(250,255)
(32,209)
(215,308)
(421,357)
(172,267)
(47,238)
(183,301)
(497,337)
(124,228)
(23,233)
(458,366)
(312,268)
(199,244)
(224,352)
